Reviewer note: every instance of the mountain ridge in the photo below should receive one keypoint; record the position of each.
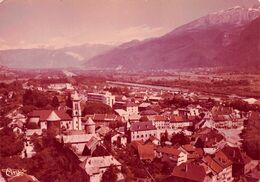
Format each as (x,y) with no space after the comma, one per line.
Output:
(183,47)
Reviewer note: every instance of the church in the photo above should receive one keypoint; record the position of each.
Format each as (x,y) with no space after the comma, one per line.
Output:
(69,129)
(61,120)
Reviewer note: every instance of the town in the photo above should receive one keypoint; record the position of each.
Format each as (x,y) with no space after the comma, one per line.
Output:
(68,127)
(129,90)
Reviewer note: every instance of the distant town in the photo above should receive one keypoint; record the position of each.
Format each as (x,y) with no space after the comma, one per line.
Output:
(85,127)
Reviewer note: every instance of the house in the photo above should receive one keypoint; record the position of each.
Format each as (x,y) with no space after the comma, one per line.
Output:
(209,139)
(28,150)
(96,166)
(222,121)
(127,110)
(104,119)
(227,121)
(142,131)
(242,163)
(91,146)
(119,138)
(159,121)
(123,113)
(194,110)
(192,152)
(131,108)
(154,140)
(218,166)
(171,155)
(80,142)
(146,151)
(144,106)
(179,122)
(188,172)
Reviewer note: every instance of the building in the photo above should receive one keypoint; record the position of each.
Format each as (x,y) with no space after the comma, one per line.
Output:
(188,172)
(60,86)
(192,152)
(90,126)
(146,151)
(159,121)
(96,166)
(142,131)
(106,98)
(131,109)
(104,119)
(219,166)
(76,112)
(242,164)
(39,118)
(171,155)
(79,141)
(179,122)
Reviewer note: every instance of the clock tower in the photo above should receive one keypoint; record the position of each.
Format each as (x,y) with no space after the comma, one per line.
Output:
(76,111)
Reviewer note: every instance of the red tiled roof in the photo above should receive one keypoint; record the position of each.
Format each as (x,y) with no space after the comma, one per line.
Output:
(189,148)
(146,152)
(43,114)
(177,119)
(213,165)
(156,118)
(142,126)
(169,150)
(222,159)
(236,155)
(189,171)
(92,142)
(218,162)
(131,104)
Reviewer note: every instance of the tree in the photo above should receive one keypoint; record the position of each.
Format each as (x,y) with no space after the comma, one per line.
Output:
(251,138)
(55,102)
(4,121)
(164,137)
(97,108)
(10,143)
(35,98)
(166,168)
(180,139)
(69,101)
(110,175)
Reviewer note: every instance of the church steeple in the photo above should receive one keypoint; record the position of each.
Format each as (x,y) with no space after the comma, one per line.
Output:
(76,111)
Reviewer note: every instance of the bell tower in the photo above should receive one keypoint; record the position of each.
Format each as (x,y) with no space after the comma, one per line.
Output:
(76,112)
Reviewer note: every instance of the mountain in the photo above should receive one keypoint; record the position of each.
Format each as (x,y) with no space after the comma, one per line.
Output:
(245,51)
(196,44)
(51,58)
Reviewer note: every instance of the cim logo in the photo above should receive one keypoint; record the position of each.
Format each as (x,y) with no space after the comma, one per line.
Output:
(13,172)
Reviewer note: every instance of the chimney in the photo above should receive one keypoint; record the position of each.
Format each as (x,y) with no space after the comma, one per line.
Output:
(186,167)
(234,154)
(206,139)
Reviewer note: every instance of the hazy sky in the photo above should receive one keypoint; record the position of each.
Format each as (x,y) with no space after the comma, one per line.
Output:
(28,23)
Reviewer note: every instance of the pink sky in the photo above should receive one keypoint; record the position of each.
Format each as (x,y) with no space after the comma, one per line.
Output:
(58,23)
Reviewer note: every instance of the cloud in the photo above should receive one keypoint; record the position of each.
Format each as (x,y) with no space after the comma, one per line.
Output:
(140,32)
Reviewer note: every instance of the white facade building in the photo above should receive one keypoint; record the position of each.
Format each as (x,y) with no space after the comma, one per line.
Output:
(106,98)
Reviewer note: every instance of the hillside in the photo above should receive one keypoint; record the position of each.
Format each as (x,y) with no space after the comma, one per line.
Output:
(50,58)
(196,44)
(245,51)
